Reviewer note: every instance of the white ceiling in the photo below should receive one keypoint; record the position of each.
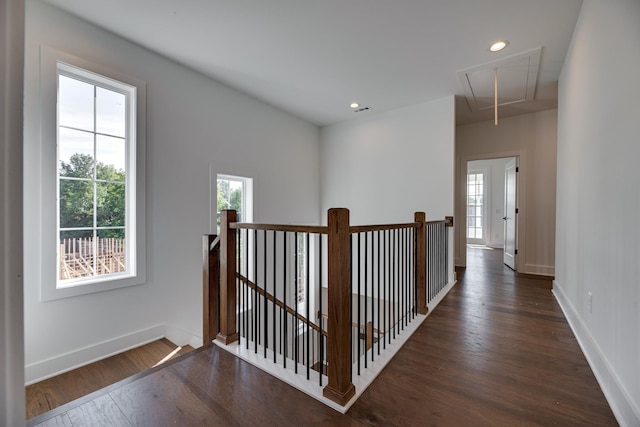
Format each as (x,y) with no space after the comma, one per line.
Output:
(313,57)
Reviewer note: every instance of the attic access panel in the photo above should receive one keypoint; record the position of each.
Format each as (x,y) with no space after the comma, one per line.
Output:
(517,78)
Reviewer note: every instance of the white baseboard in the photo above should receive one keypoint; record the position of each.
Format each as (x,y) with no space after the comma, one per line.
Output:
(181,337)
(541,270)
(57,365)
(625,410)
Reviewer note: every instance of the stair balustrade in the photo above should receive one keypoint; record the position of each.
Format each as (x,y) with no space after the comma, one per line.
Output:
(324,301)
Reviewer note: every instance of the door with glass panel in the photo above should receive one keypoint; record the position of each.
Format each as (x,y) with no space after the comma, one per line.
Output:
(476,231)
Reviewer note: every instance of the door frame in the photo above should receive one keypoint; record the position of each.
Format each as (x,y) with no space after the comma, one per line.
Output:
(511,166)
(460,231)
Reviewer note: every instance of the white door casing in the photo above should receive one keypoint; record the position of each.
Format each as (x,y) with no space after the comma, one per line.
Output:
(510,212)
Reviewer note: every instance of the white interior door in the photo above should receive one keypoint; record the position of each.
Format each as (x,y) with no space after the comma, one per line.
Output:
(510,212)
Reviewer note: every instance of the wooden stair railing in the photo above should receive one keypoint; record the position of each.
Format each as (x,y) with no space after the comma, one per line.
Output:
(221,277)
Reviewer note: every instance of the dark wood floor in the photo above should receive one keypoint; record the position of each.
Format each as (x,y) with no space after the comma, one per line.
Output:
(56,391)
(496,352)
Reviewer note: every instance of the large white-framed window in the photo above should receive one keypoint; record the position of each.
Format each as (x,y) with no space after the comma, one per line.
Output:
(92,178)
(96,177)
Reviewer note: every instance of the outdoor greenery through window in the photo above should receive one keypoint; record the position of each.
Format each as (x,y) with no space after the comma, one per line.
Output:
(93,176)
(231,192)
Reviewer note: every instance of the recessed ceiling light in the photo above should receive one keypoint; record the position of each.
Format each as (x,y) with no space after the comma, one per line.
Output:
(499,45)
(354,105)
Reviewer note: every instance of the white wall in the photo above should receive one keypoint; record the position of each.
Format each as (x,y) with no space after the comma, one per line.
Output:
(196,128)
(494,224)
(12,398)
(598,215)
(532,138)
(384,167)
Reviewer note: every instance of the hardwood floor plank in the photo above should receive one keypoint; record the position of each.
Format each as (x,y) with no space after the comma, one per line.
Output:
(54,392)
(252,399)
(101,411)
(497,351)
(161,399)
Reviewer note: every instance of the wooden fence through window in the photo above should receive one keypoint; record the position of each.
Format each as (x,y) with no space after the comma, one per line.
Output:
(86,257)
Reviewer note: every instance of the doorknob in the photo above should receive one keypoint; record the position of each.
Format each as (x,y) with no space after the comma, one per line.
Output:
(504,217)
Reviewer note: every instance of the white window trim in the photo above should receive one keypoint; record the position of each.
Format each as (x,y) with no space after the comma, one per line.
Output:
(485,196)
(247,194)
(48,203)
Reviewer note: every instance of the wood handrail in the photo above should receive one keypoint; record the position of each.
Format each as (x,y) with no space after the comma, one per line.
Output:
(317,229)
(365,228)
(280,304)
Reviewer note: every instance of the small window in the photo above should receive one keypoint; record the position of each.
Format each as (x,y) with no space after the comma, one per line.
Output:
(96,177)
(475,206)
(235,193)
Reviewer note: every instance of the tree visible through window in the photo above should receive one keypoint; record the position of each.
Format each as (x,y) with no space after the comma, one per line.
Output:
(231,194)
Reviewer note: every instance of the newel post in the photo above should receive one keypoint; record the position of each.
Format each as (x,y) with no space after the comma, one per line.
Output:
(228,333)
(210,289)
(421,263)
(339,388)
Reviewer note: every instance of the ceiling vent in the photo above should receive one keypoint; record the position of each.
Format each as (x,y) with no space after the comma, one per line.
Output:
(359,110)
(517,78)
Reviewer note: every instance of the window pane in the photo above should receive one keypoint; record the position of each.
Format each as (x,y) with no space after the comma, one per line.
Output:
(76,203)
(75,151)
(111,204)
(111,252)
(110,158)
(75,103)
(76,254)
(110,112)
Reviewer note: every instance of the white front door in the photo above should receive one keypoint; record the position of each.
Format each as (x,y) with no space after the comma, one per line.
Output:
(510,212)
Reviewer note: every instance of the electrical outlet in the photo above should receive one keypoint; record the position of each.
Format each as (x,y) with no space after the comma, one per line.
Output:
(590,302)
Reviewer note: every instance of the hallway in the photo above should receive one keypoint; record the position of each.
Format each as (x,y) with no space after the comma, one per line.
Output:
(497,351)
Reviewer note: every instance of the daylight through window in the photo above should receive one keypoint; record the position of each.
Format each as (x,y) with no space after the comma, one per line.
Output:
(475,205)
(95,176)
(233,192)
